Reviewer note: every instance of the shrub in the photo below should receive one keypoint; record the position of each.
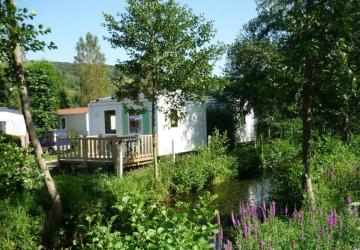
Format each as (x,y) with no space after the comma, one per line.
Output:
(17,170)
(19,227)
(194,172)
(335,170)
(141,225)
(249,161)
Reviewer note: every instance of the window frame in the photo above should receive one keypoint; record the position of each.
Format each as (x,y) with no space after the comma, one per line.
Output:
(174,118)
(109,131)
(141,119)
(63,122)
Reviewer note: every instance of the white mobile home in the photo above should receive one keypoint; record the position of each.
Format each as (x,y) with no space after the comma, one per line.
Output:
(74,120)
(246,128)
(12,123)
(108,117)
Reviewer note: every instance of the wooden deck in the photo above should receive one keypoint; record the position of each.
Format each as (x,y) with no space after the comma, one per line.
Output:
(135,150)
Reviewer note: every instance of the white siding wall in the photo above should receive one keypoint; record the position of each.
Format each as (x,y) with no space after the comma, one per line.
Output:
(76,123)
(246,132)
(191,130)
(97,117)
(15,123)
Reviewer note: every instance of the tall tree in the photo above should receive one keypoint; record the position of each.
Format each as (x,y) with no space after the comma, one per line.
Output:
(169,53)
(43,83)
(16,33)
(90,65)
(315,41)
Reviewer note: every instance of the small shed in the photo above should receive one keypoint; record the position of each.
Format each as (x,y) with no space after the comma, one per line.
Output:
(74,120)
(12,122)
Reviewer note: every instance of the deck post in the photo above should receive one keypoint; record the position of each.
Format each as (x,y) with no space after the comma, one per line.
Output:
(58,151)
(85,143)
(120,164)
(173,149)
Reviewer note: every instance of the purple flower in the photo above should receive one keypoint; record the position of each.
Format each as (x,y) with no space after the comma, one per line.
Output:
(273,208)
(253,211)
(262,244)
(348,201)
(246,229)
(312,213)
(218,219)
(241,209)
(302,216)
(320,232)
(331,219)
(341,226)
(218,240)
(255,230)
(228,245)
(264,210)
(234,220)
(328,238)
(294,214)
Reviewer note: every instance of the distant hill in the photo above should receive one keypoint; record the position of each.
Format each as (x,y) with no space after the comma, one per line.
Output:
(71,81)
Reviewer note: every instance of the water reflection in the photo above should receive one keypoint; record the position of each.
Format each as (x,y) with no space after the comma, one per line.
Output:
(232,193)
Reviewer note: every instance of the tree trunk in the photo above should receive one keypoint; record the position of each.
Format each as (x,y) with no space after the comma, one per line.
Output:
(306,155)
(307,114)
(345,127)
(56,211)
(154,135)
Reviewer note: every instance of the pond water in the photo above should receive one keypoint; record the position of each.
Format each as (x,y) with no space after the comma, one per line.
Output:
(231,193)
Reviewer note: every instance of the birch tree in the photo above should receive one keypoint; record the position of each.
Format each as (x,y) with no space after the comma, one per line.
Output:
(16,34)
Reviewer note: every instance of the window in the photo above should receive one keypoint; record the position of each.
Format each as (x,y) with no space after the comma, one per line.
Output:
(135,124)
(174,118)
(110,122)
(62,123)
(2,127)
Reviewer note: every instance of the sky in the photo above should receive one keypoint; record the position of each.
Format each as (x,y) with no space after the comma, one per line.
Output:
(71,19)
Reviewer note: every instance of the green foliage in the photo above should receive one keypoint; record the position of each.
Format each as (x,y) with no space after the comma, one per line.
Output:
(18,171)
(71,82)
(26,34)
(91,69)
(221,119)
(310,228)
(43,83)
(152,226)
(281,152)
(170,54)
(20,224)
(193,173)
(336,170)
(249,160)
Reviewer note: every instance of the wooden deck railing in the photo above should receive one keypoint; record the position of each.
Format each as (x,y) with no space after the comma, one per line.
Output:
(135,150)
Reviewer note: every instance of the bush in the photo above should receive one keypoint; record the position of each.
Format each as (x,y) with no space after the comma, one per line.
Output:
(19,226)
(141,225)
(18,172)
(335,170)
(249,161)
(10,139)
(194,172)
